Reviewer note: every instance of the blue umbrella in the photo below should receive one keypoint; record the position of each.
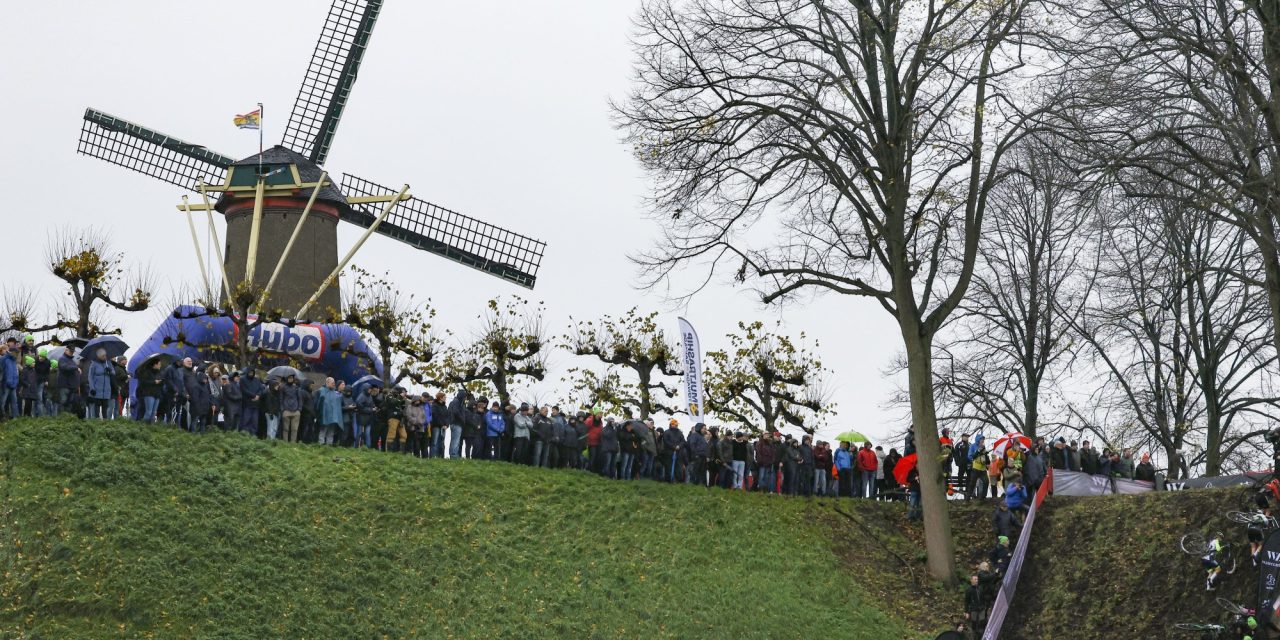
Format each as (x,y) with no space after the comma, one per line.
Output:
(113,345)
(367,381)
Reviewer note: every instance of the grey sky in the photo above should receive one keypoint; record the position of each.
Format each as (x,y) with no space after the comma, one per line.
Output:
(496,109)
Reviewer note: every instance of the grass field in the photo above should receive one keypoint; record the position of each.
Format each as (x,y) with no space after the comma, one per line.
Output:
(121,530)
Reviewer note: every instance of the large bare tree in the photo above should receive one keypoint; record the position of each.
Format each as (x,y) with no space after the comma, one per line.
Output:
(1014,337)
(843,147)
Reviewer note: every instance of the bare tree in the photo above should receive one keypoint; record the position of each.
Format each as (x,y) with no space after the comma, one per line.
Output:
(765,382)
(839,147)
(1014,333)
(636,343)
(1184,92)
(95,275)
(1184,342)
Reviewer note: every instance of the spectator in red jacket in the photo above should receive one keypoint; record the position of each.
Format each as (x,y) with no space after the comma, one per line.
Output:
(595,424)
(867,465)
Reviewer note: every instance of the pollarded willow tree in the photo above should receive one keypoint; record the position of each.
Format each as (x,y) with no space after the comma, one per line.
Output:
(636,343)
(765,382)
(96,279)
(833,147)
(399,325)
(508,346)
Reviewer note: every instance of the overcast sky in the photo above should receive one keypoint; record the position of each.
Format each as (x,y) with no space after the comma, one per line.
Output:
(495,109)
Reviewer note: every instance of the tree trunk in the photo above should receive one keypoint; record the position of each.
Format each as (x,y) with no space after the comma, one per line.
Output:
(1213,427)
(1271,267)
(1031,410)
(646,397)
(939,546)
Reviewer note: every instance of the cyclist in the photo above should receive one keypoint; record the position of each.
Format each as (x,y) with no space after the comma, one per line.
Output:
(1255,540)
(1210,562)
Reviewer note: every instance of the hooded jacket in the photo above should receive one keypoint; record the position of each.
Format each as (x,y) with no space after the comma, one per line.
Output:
(843,459)
(250,387)
(609,438)
(328,406)
(673,440)
(543,428)
(68,373)
(291,397)
(494,423)
(697,444)
(415,416)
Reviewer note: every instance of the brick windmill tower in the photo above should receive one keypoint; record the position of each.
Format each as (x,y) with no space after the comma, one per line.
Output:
(281,208)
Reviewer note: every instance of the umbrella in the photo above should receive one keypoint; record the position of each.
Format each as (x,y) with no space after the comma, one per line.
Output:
(283,372)
(74,342)
(852,436)
(55,354)
(367,381)
(1013,437)
(113,345)
(164,358)
(904,466)
(950,635)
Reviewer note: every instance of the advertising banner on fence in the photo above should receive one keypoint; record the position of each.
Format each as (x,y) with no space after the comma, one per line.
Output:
(1268,583)
(1216,481)
(691,360)
(1074,483)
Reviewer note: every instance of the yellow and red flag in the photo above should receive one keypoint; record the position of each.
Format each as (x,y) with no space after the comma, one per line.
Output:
(251,120)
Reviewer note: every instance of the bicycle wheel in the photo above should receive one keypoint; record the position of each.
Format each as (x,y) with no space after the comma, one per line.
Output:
(1195,626)
(1228,560)
(1241,517)
(1194,543)
(1232,607)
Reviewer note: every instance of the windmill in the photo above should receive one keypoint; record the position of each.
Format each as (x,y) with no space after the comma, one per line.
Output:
(279,205)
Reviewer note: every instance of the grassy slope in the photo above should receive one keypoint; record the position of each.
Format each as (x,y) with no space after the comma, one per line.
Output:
(119,530)
(1110,567)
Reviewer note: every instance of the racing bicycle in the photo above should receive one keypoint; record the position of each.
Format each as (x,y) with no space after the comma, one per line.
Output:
(1197,544)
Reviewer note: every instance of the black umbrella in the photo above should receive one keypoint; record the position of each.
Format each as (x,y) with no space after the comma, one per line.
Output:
(74,342)
(164,358)
(113,345)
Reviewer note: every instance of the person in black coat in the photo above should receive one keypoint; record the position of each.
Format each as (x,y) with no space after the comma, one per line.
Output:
(697,446)
(201,401)
(975,606)
(252,389)
(232,401)
(440,421)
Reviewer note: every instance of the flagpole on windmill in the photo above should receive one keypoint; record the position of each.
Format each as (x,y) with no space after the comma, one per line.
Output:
(259,138)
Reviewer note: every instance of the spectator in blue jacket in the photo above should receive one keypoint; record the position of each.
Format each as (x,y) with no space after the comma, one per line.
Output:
(9,382)
(98,381)
(1015,496)
(495,423)
(844,467)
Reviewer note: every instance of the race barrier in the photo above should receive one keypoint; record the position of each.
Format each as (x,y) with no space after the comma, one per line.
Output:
(1075,483)
(1001,607)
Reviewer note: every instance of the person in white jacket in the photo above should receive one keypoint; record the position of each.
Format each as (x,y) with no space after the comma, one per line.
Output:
(880,488)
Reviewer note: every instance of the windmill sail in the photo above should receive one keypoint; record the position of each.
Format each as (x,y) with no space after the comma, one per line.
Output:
(446,233)
(161,156)
(329,77)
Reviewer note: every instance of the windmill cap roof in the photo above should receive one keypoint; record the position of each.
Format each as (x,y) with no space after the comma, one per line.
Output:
(307,170)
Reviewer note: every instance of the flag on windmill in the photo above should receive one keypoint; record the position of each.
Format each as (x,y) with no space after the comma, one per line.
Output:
(251,120)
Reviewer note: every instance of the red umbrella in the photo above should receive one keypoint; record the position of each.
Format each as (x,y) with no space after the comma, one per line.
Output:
(1013,437)
(904,466)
